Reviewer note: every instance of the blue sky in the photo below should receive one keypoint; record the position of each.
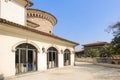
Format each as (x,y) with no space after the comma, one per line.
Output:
(82,21)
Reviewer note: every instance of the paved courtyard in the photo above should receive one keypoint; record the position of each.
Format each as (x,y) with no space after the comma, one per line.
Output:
(82,71)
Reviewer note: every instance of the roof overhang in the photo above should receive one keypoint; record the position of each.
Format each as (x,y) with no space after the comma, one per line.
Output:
(82,50)
(64,41)
(32,24)
(27,3)
(95,44)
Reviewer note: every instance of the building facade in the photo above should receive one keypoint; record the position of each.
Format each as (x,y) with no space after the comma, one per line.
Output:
(27,41)
(79,54)
(87,47)
(95,45)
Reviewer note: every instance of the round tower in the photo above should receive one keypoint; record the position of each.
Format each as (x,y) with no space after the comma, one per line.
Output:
(46,21)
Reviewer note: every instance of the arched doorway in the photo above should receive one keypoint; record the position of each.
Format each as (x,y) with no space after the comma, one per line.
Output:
(52,58)
(66,57)
(25,58)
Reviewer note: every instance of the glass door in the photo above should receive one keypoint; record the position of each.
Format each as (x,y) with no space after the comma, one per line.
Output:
(52,59)
(26,60)
(21,61)
(66,57)
(32,60)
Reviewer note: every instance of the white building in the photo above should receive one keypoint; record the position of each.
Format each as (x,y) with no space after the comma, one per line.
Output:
(27,42)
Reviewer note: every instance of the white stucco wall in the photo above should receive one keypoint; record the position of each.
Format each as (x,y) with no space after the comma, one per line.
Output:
(9,39)
(7,57)
(12,11)
(60,60)
(72,59)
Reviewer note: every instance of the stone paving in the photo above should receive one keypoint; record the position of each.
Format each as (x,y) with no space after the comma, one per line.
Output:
(82,71)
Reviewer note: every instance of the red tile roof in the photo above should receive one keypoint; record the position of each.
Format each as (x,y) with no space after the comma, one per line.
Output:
(82,50)
(96,43)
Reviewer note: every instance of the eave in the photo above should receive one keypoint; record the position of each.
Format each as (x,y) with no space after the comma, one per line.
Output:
(4,21)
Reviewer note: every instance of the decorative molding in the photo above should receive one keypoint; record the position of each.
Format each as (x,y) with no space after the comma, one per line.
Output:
(29,42)
(41,14)
(62,51)
(43,50)
(55,46)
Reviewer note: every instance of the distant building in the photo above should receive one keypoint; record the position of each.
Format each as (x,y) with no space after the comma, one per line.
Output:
(79,54)
(27,42)
(95,45)
(86,47)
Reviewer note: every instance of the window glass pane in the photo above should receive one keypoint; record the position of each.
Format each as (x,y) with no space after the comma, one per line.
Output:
(25,45)
(17,56)
(30,56)
(23,56)
(50,56)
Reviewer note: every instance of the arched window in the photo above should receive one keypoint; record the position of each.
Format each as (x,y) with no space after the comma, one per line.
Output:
(52,58)
(25,58)
(66,57)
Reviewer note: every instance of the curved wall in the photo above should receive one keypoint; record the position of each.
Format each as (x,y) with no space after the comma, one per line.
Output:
(45,26)
(44,19)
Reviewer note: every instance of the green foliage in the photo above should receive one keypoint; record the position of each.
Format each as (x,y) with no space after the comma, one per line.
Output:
(85,56)
(115,29)
(116,40)
(116,44)
(93,53)
(107,51)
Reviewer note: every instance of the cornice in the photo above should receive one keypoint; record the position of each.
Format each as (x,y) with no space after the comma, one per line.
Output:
(4,21)
(41,14)
(29,3)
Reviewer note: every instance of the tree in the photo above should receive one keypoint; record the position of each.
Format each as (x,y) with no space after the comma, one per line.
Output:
(115,29)
(116,44)
(107,51)
(116,40)
(93,53)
